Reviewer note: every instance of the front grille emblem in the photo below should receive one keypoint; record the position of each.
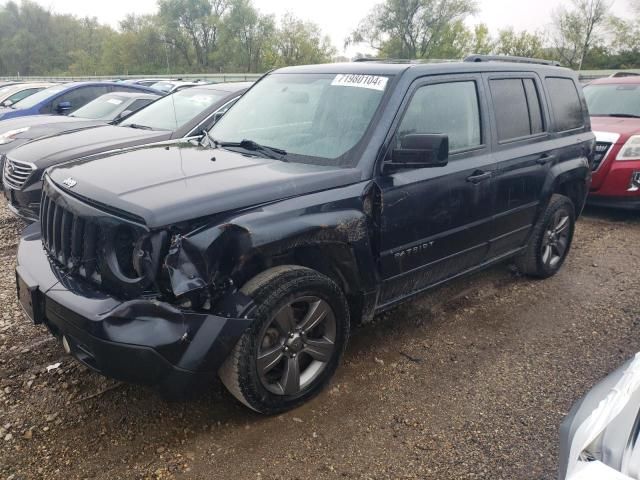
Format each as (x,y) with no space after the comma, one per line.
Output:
(69,182)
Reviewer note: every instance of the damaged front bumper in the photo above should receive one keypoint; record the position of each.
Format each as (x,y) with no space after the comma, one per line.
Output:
(139,341)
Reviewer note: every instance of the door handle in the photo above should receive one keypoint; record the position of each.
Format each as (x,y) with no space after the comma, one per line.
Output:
(545,158)
(479,176)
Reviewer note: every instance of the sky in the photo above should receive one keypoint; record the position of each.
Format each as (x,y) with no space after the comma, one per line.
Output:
(336,18)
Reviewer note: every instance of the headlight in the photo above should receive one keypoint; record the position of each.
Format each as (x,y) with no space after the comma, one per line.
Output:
(630,150)
(8,137)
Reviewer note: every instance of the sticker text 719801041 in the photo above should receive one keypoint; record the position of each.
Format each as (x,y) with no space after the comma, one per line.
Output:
(373,82)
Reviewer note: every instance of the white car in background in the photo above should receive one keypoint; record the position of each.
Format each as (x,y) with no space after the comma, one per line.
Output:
(10,94)
(600,438)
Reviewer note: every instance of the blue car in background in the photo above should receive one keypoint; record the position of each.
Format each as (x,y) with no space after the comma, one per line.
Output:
(65,98)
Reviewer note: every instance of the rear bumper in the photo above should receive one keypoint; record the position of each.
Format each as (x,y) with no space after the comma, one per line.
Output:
(138,341)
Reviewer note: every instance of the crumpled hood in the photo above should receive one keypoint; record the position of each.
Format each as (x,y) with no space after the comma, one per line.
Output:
(71,146)
(619,125)
(173,182)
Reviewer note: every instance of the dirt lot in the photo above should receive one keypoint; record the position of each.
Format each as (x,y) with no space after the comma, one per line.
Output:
(470,381)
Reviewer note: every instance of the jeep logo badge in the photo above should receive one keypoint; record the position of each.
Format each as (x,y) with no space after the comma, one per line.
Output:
(69,182)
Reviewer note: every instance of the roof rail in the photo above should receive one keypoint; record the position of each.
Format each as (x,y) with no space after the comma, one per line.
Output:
(508,58)
(624,74)
(405,60)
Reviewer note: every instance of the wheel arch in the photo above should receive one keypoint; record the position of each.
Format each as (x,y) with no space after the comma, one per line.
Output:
(337,261)
(570,178)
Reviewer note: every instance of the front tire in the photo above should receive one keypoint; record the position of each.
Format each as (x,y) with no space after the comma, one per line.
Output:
(295,343)
(550,240)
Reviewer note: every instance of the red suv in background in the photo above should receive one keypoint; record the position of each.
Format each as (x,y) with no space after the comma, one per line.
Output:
(614,106)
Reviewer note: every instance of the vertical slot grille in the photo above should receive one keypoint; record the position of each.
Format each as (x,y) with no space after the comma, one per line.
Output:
(70,240)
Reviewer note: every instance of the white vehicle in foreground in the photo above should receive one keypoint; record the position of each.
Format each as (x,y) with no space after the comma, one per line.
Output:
(600,438)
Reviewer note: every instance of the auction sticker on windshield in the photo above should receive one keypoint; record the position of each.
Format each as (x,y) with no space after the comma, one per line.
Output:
(373,82)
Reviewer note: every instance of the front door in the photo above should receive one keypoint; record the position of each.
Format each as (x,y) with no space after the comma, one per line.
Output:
(436,222)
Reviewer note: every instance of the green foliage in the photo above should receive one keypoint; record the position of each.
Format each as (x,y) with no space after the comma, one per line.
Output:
(582,36)
(217,36)
(520,44)
(416,28)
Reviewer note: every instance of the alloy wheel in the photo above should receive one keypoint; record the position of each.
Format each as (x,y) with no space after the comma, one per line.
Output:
(296,345)
(556,239)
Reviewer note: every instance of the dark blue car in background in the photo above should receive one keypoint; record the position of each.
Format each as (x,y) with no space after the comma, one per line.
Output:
(65,98)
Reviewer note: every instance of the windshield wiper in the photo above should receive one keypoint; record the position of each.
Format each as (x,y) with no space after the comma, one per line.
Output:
(140,127)
(270,152)
(623,115)
(210,139)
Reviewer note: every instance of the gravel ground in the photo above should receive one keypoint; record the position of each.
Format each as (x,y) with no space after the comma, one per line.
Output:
(469,381)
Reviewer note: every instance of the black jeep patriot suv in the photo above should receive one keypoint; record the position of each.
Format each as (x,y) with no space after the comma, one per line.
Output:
(327,194)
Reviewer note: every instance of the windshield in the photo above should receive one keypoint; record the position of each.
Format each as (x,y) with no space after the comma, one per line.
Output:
(162,86)
(105,107)
(175,110)
(315,118)
(16,97)
(36,98)
(612,99)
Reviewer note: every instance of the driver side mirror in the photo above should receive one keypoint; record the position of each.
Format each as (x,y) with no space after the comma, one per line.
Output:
(7,103)
(420,150)
(63,108)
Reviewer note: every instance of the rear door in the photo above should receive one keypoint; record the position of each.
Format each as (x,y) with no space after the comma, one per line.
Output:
(524,153)
(436,222)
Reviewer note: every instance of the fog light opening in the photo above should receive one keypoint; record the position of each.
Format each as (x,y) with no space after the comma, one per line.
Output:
(634,185)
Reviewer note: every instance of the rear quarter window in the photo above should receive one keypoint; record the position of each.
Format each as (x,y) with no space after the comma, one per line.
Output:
(565,103)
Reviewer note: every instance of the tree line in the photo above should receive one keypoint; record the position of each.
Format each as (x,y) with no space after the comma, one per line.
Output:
(582,34)
(210,36)
(192,36)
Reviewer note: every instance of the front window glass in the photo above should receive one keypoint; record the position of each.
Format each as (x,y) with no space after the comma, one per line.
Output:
(621,99)
(315,118)
(175,110)
(36,98)
(449,108)
(105,107)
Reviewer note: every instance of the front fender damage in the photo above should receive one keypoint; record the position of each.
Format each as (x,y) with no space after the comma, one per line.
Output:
(209,261)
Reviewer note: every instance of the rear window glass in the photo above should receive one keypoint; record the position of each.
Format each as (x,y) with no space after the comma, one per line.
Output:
(517,108)
(565,103)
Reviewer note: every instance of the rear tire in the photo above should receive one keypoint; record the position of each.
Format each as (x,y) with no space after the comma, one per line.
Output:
(550,240)
(295,343)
